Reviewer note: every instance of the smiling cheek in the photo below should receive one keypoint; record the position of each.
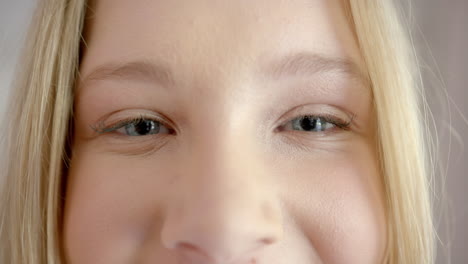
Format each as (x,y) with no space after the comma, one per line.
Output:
(112,210)
(338,201)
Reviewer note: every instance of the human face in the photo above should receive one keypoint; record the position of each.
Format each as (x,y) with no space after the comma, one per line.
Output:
(224,132)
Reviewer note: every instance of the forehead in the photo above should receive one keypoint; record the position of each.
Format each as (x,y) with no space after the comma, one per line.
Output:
(217,35)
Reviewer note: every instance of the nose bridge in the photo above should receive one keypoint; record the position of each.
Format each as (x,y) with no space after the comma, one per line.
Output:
(229,173)
(224,149)
(225,207)
(227,154)
(227,168)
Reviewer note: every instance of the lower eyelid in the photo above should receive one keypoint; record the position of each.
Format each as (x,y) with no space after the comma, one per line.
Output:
(135,146)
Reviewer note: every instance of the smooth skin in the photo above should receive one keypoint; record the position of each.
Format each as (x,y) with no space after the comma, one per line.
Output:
(223,132)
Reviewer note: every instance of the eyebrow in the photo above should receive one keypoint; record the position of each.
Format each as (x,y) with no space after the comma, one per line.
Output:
(297,64)
(134,70)
(308,64)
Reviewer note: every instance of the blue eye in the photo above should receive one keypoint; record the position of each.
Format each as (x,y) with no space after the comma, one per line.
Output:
(309,123)
(137,127)
(142,127)
(315,124)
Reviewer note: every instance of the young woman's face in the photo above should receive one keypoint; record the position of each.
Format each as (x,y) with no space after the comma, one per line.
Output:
(224,132)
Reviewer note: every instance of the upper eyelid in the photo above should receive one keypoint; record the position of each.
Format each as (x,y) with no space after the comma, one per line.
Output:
(337,122)
(296,112)
(306,109)
(102,129)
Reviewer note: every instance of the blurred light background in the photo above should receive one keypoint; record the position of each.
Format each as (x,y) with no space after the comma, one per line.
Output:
(441,37)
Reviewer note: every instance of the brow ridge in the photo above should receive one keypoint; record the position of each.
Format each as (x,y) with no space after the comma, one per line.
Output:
(134,70)
(296,64)
(307,63)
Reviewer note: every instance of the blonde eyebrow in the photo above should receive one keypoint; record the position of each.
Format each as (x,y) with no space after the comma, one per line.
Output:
(134,70)
(297,64)
(308,64)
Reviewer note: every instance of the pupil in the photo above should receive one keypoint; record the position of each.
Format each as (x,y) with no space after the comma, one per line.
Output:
(144,127)
(308,123)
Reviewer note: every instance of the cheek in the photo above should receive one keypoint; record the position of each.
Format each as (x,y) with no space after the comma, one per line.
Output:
(112,207)
(337,199)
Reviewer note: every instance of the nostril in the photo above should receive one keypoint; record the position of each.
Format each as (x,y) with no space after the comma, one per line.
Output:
(187,246)
(193,252)
(267,241)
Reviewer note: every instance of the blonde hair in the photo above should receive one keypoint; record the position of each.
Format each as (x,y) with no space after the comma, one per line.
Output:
(40,121)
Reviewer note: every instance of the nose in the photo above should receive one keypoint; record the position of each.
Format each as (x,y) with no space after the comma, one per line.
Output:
(223,208)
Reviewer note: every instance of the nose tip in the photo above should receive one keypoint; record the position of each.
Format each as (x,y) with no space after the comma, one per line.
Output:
(208,237)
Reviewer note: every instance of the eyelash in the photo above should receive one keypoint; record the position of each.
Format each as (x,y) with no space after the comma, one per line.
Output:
(336,122)
(102,128)
(325,118)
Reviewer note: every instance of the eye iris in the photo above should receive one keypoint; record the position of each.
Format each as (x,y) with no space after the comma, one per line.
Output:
(311,124)
(142,127)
